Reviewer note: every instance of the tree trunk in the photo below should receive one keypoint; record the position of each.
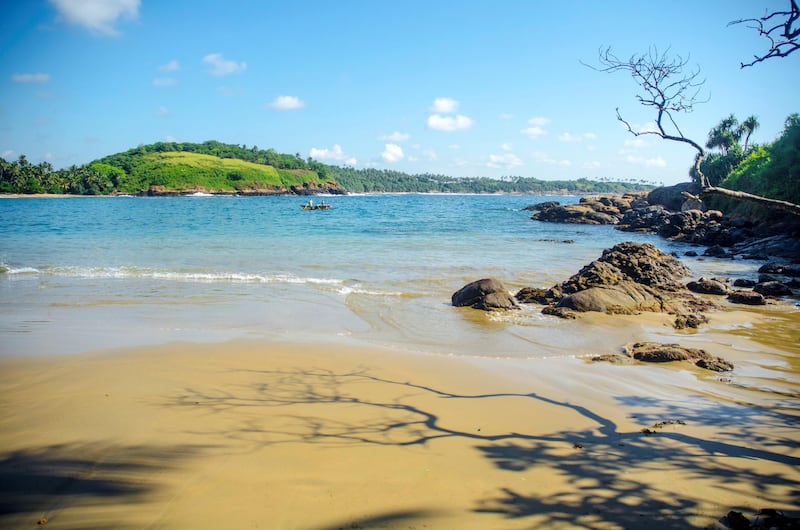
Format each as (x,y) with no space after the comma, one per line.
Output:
(774,204)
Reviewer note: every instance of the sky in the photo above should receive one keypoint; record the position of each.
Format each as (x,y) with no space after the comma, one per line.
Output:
(461,88)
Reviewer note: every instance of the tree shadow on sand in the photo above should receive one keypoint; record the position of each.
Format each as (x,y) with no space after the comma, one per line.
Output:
(38,482)
(604,475)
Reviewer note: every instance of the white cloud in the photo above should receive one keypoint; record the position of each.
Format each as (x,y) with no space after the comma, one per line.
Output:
(506,146)
(221,66)
(454,147)
(569,137)
(504,161)
(544,158)
(170,138)
(286,103)
(164,81)
(647,162)
(7,154)
(635,142)
(534,131)
(162,111)
(335,153)
(392,153)
(505,116)
(98,16)
(396,137)
(171,66)
(537,127)
(444,105)
(594,164)
(430,154)
(30,78)
(448,123)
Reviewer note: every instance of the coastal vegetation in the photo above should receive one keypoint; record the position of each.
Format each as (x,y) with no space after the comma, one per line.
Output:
(229,168)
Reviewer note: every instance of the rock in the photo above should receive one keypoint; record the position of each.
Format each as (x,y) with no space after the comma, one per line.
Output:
(643,263)
(654,352)
(781,246)
(538,207)
(716,251)
(623,298)
(626,279)
(772,289)
(707,286)
(746,297)
(560,312)
(670,196)
(690,253)
(613,358)
(737,521)
(575,214)
(691,321)
(532,295)
(715,364)
(488,294)
(743,282)
(781,269)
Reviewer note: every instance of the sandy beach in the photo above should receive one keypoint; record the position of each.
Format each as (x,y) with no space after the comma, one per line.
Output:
(254,434)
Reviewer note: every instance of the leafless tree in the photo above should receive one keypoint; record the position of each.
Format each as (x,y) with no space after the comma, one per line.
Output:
(780,28)
(670,87)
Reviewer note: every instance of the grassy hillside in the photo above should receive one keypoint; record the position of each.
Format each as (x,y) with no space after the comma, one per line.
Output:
(184,171)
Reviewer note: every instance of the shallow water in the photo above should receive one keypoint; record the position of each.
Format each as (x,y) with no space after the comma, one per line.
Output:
(87,273)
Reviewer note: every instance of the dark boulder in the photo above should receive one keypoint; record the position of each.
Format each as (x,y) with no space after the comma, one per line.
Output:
(780,269)
(743,282)
(540,206)
(772,288)
(716,251)
(488,294)
(707,286)
(746,298)
(533,295)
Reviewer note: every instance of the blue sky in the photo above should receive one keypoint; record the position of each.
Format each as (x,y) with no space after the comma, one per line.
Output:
(462,88)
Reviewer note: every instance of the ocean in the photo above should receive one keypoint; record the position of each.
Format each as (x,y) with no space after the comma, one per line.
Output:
(87,273)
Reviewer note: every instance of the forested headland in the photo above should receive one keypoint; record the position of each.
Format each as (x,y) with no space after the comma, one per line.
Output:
(771,169)
(228,168)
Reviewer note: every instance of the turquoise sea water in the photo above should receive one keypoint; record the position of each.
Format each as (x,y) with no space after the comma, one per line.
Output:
(85,273)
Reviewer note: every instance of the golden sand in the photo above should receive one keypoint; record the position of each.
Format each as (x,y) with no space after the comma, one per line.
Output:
(253,435)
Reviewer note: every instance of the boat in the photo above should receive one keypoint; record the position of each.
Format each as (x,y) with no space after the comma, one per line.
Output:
(311,206)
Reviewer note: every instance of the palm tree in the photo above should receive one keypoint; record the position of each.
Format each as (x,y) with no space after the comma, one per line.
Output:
(747,127)
(725,135)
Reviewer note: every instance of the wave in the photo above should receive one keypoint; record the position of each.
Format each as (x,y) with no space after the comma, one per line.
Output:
(169,275)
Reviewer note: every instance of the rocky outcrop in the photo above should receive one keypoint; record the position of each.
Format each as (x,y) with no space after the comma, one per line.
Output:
(628,278)
(489,294)
(590,210)
(654,352)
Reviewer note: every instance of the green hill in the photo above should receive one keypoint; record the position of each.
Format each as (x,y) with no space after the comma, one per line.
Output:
(212,167)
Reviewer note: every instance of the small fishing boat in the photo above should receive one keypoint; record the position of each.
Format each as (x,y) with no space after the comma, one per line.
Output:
(311,206)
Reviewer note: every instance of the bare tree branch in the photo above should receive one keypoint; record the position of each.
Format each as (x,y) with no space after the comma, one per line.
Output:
(783,36)
(668,86)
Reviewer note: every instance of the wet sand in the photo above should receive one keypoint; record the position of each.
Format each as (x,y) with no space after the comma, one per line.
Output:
(255,434)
